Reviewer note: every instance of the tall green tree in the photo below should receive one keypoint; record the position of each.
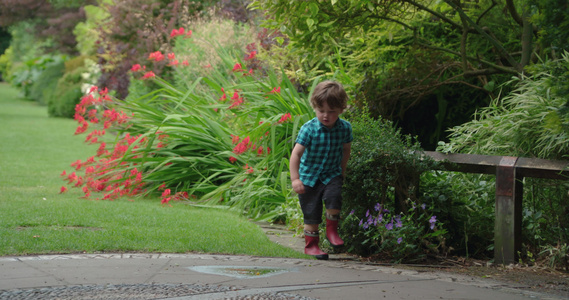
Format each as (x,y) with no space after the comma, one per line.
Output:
(417,57)
(53,20)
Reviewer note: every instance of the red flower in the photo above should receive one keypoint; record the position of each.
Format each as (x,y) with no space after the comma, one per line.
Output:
(137,68)
(171,56)
(63,190)
(177,32)
(188,35)
(236,100)
(232,159)
(166,192)
(166,200)
(251,55)
(156,56)
(173,63)
(237,68)
(185,63)
(162,186)
(276,90)
(242,146)
(234,140)
(149,74)
(82,128)
(285,118)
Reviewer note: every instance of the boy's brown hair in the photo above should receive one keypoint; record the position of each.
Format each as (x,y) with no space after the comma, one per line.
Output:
(329,92)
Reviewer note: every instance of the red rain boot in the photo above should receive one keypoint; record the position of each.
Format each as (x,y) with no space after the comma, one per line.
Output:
(332,231)
(312,248)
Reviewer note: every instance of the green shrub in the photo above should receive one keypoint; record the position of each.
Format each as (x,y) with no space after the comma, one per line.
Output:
(383,173)
(532,121)
(6,65)
(67,95)
(46,82)
(465,204)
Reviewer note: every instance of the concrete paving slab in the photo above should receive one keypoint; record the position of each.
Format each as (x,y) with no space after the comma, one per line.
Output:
(311,279)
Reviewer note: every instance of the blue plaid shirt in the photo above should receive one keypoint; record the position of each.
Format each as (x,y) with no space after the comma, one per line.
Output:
(322,158)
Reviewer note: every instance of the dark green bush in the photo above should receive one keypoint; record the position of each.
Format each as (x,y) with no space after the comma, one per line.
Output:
(383,172)
(465,204)
(61,103)
(46,83)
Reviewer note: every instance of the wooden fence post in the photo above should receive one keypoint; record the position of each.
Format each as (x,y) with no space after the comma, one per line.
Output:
(507,228)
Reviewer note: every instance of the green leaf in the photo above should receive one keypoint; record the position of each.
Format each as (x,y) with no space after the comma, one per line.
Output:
(327,24)
(310,23)
(313,9)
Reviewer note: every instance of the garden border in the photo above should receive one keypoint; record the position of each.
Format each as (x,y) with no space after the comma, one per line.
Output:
(509,172)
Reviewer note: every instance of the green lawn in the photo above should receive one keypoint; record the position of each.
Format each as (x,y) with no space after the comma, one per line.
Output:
(35,218)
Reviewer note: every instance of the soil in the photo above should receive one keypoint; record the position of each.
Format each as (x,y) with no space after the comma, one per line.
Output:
(537,277)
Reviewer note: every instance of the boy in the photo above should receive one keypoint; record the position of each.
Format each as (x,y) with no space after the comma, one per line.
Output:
(318,165)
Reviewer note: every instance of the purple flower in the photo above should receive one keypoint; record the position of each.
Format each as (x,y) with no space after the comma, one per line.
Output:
(380,218)
(389,226)
(361,222)
(367,213)
(398,223)
(432,222)
(399,240)
(377,207)
(366,225)
(423,206)
(352,212)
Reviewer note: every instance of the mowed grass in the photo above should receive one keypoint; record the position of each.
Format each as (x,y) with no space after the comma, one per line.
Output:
(36,219)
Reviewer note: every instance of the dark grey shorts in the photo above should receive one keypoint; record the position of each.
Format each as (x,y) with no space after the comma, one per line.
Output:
(311,200)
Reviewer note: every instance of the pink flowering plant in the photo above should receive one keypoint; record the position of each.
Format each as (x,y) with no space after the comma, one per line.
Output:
(219,139)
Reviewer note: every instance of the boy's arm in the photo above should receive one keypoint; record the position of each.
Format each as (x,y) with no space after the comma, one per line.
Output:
(346,152)
(294,166)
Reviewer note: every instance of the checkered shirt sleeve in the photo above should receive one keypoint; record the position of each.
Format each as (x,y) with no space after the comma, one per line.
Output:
(322,157)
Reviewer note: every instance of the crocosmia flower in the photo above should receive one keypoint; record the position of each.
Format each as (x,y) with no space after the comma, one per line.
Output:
(251,55)
(136,68)
(285,118)
(237,68)
(177,32)
(149,74)
(156,56)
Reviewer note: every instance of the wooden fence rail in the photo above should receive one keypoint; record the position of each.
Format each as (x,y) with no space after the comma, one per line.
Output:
(509,173)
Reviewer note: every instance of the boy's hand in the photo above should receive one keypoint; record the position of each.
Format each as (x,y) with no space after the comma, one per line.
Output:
(298,186)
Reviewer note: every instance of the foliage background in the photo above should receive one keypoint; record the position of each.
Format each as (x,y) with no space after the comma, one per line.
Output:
(417,68)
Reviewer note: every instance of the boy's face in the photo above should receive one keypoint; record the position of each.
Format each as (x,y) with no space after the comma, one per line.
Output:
(327,116)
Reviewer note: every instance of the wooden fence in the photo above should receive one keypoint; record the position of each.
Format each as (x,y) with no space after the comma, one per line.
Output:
(509,173)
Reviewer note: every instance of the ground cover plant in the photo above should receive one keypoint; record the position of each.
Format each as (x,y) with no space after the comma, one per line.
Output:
(36,218)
